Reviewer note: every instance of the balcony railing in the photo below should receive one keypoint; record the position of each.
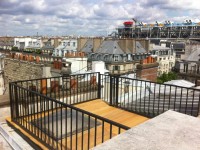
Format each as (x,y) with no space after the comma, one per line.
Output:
(149,98)
(44,107)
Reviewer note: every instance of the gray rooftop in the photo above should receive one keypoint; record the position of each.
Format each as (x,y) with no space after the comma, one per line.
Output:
(194,56)
(140,48)
(110,47)
(88,46)
(168,131)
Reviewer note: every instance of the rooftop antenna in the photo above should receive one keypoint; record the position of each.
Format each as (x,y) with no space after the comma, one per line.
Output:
(135,20)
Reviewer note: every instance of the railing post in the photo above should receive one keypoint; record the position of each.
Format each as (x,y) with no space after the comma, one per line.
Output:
(11,101)
(111,95)
(16,110)
(117,90)
(99,85)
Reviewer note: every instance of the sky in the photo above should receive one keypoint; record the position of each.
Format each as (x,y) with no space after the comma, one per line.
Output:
(88,17)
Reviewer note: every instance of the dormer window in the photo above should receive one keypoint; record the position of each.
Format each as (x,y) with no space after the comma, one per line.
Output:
(116,58)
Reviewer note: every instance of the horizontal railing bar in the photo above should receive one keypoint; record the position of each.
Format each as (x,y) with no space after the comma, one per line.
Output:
(152,82)
(18,81)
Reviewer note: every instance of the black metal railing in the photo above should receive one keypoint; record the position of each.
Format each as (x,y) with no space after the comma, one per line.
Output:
(68,89)
(54,122)
(44,107)
(149,98)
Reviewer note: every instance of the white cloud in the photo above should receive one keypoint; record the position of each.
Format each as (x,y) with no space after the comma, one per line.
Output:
(88,17)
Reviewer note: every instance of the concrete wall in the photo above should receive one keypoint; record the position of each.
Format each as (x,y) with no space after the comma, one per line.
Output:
(168,131)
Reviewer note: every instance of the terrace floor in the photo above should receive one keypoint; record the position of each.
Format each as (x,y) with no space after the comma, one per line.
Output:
(98,107)
(101,108)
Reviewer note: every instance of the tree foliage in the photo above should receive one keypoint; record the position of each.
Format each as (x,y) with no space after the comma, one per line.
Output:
(38,51)
(15,48)
(167,77)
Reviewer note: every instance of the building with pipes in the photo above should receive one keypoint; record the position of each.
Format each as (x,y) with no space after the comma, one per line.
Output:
(168,29)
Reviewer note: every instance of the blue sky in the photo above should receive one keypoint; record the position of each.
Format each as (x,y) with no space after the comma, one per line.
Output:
(88,17)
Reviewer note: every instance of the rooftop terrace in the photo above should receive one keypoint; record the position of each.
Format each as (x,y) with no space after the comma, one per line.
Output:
(85,110)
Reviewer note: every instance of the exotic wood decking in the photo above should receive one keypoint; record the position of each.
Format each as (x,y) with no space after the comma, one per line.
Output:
(101,108)
(80,140)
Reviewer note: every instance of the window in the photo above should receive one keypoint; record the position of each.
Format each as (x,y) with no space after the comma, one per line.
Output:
(178,56)
(116,67)
(185,68)
(116,58)
(68,44)
(129,57)
(74,44)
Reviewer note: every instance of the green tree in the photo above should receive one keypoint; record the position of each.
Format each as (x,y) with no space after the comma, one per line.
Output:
(15,48)
(38,51)
(167,77)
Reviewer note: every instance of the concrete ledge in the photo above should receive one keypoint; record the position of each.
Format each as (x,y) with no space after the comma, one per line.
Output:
(34,142)
(170,130)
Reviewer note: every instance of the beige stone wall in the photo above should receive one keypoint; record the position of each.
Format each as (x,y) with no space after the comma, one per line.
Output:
(96,43)
(81,43)
(127,45)
(145,44)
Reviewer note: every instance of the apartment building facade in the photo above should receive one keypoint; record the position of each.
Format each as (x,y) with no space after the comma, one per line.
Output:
(165,56)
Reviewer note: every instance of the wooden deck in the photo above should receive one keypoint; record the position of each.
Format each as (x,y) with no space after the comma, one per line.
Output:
(101,108)
(94,136)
